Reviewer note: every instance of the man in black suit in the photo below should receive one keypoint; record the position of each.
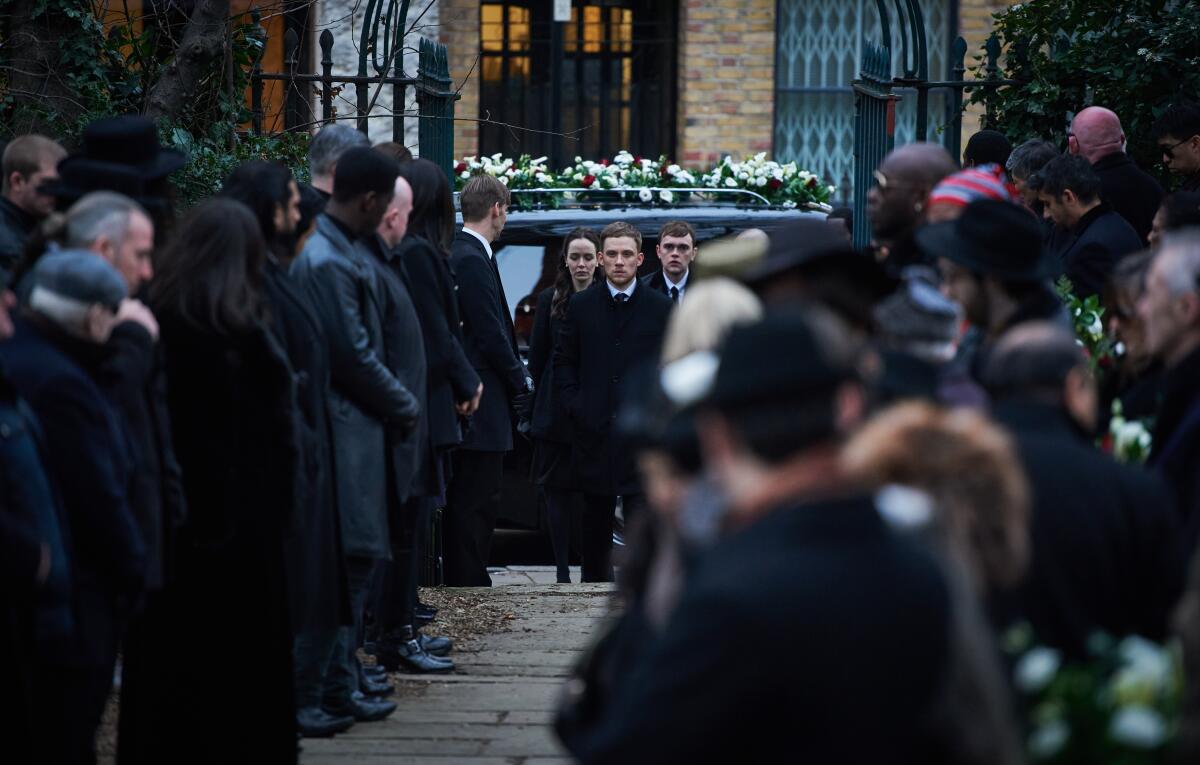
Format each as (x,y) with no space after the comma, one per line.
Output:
(606,333)
(72,311)
(864,612)
(1177,133)
(473,499)
(1096,136)
(1104,535)
(676,249)
(1071,191)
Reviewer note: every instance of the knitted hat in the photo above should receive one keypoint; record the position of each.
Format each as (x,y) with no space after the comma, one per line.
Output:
(966,186)
(917,312)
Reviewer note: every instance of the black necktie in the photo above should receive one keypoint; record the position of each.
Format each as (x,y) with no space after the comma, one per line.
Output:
(620,297)
(675,294)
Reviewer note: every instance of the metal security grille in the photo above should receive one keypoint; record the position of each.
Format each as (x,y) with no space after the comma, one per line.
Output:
(591,86)
(818,49)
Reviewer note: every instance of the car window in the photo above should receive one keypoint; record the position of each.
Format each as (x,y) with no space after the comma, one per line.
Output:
(520,268)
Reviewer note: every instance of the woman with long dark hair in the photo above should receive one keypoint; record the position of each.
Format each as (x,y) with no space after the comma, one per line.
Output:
(453,390)
(552,439)
(233,418)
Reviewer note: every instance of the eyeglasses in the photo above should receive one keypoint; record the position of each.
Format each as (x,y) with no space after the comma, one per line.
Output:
(883,183)
(1169,151)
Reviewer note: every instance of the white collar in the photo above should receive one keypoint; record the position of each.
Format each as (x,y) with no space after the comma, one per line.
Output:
(627,292)
(681,285)
(487,246)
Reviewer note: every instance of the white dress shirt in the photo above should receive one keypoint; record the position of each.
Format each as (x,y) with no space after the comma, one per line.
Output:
(627,292)
(681,286)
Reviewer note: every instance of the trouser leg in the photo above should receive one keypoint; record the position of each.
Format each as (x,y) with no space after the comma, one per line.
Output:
(341,679)
(559,507)
(598,512)
(473,503)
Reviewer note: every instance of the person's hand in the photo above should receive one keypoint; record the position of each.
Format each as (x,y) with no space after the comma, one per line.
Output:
(469,407)
(136,311)
(522,405)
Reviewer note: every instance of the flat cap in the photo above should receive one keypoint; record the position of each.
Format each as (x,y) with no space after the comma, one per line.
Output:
(81,276)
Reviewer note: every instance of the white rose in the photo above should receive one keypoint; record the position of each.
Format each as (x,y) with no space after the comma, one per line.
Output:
(465,174)
(1049,739)
(673,169)
(731,183)
(504,179)
(1095,329)
(759,157)
(1138,726)
(645,195)
(666,196)
(760,181)
(1036,669)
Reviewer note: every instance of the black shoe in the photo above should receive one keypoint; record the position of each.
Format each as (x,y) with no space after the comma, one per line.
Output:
(314,722)
(377,688)
(436,646)
(363,709)
(424,614)
(375,671)
(404,652)
(564,575)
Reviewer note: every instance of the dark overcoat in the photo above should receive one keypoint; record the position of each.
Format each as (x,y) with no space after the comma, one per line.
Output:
(548,421)
(365,397)
(1129,190)
(435,295)
(865,618)
(1103,538)
(15,227)
(491,344)
(1175,450)
(601,341)
(313,549)
(404,354)
(1098,241)
(234,421)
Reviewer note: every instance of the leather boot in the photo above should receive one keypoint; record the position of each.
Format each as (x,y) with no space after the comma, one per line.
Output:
(436,645)
(402,651)
(314,722)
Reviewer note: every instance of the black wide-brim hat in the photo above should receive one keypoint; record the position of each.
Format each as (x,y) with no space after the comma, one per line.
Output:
(992,238)
(131,140)
(818,246)
(79,175)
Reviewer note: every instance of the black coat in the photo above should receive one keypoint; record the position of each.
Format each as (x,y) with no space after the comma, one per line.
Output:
(15,227)
(365,398)
(599,344)
(434,294)
(1175,451)
(549,422)
(491,344)
(1129,190)
(1099,240)
(861,618)
(316,576)
(132,377)
(89,456)
(1104,556)
(234,420)
(657,282)
(404,354)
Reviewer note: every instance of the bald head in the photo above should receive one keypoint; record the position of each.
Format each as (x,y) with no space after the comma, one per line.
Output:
(395,221)
(1096,132)
(918,163)
(896,205)
(1032,359)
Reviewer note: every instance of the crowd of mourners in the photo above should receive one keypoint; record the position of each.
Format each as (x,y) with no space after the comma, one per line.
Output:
(843,475)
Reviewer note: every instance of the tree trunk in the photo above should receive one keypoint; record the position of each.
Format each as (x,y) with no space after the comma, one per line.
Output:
(32,54)
(203,42)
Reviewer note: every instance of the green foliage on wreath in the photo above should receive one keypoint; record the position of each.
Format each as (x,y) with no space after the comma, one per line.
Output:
(1133,56)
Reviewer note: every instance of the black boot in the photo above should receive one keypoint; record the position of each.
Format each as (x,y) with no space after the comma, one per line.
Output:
(402,651)
(435,646)
(314,722)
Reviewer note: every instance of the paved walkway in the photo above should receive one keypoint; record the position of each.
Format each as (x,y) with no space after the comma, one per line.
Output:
(496,708)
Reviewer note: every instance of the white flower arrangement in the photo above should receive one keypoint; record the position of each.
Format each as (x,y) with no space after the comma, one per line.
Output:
(784,185)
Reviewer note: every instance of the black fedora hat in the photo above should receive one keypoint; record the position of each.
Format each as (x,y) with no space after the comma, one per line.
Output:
(818,246)
(130,140)
(78,175)
(993,238)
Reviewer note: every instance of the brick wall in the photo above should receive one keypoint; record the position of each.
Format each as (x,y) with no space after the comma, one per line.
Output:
(459,21)
(726,79)
(975,25)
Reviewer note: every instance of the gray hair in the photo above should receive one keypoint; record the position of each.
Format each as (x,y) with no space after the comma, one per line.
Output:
(100,213)
(329,144)
(1030,157)
(1179,260)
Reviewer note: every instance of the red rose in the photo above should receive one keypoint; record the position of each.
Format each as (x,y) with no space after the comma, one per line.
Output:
(774,184)
(637,160)
(604,163)
(1106,444)
(588,180)
(1105,361)
(812,183)
(460,168)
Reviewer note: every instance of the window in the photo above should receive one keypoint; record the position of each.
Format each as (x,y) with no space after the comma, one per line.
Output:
(818,47)
(601,82)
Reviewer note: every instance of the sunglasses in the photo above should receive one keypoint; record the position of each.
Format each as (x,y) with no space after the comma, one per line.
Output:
(1169,151)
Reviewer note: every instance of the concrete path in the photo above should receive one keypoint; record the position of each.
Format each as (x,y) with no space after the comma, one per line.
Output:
(497,707)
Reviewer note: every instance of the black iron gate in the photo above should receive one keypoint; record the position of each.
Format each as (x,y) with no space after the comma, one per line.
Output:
(380,65)
(875,98)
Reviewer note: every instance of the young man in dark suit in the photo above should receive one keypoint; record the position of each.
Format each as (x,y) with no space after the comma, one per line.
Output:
(607,332)
(473,499)
(676,249)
